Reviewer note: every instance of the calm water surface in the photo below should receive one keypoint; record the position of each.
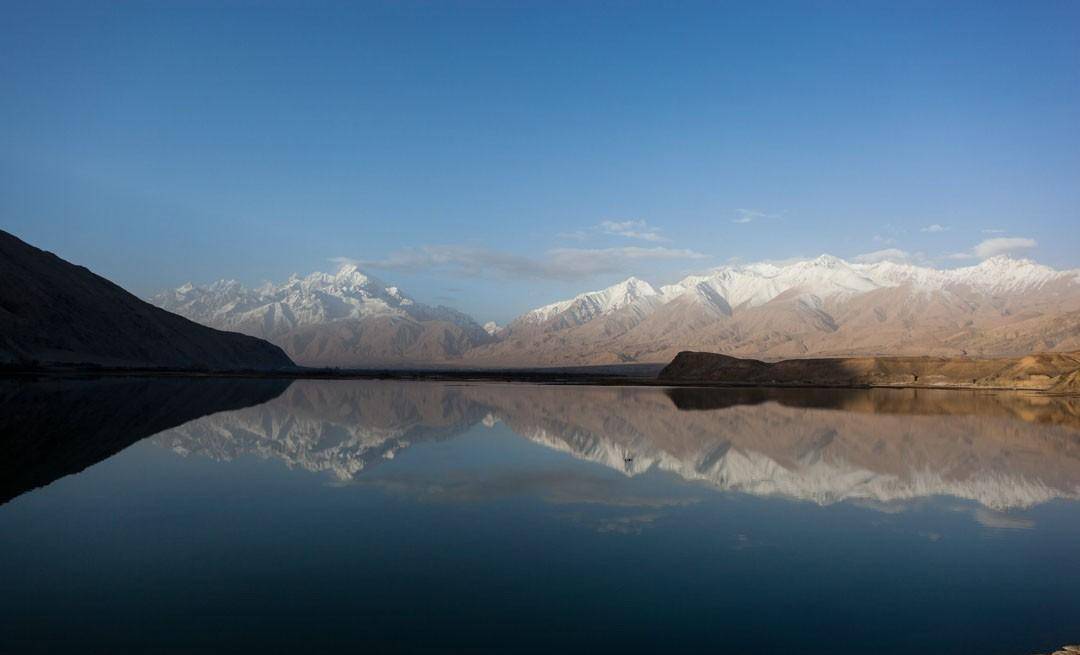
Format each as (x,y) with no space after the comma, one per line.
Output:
(318,516)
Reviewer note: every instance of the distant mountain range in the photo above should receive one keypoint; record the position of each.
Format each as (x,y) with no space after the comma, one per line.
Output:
(822,306)
(344,319)
(53,312)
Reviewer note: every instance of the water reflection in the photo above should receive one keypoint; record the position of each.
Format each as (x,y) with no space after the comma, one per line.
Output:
(493,516)
(56,427)
(882,448)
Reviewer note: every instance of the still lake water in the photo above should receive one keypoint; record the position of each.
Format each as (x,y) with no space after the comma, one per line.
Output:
(375,516)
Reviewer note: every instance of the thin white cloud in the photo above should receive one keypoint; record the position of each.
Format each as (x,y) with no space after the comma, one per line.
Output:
(583,262)
(993,231)
(1003,245)
(935,228)
(744,216)
(997,246)
(887,255)
(631,230)
(889,233)
(560,263)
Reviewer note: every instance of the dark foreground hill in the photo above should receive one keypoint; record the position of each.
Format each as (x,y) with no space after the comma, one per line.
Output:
(53,312)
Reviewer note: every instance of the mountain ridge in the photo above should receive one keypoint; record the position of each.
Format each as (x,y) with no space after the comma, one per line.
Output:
(816,307)
(347,318)
(824,306)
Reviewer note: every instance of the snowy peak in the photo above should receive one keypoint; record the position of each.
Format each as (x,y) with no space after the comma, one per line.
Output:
(756,284)
(586,306)
(1003,274)
(829,277)
(271,310)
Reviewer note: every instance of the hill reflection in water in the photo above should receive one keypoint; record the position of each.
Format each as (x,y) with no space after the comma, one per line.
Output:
(56,427)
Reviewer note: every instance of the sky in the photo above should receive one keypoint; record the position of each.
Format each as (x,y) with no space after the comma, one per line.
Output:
(498,156)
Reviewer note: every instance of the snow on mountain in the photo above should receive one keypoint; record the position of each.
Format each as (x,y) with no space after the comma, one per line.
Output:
(347,318)
(589,305)
(825,305)
(828,277)
(819,306)
(756,284)
(824,277)
(1004,274)
(318,298)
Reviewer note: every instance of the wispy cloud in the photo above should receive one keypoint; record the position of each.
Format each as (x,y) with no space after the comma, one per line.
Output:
(1003,245)
(997,246)
(886,255)
(559,263)
(629,229)
(993,231)
(744,216)
(888,234)
(632,230)
(935,228)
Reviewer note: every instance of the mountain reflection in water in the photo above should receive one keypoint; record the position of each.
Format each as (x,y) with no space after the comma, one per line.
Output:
(383,516)
(879,447)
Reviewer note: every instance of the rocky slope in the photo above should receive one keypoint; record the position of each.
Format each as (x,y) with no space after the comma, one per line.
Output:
(54,312)
(345,319)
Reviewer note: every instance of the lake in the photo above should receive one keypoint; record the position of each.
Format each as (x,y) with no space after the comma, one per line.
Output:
(216,515)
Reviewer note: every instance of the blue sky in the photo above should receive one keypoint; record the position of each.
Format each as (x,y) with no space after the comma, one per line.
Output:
(497,156)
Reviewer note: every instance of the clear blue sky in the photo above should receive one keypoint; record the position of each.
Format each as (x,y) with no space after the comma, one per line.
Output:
(472,152)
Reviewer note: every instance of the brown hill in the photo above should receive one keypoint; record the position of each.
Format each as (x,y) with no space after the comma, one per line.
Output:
(1041,371)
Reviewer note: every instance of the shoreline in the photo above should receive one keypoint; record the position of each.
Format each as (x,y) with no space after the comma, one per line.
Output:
(537,376)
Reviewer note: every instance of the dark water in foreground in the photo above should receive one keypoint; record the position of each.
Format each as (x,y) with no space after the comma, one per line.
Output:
(363,516)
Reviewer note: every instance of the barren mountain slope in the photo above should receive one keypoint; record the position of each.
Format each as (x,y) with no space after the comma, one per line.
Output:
(52,311)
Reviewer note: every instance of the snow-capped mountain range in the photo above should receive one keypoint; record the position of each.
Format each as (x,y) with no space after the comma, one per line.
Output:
(299,301)
(819,306)
(346,318)
(825,277)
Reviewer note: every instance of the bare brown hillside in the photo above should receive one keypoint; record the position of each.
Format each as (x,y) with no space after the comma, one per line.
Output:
(1042,371)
